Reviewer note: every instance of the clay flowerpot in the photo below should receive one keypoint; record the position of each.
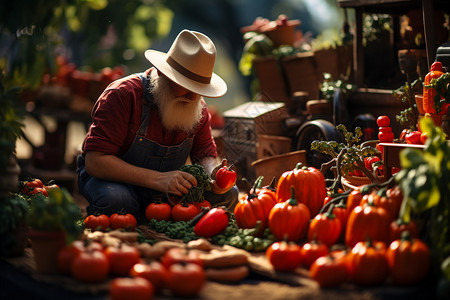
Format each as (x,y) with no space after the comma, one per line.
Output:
(46,246)
(419,103)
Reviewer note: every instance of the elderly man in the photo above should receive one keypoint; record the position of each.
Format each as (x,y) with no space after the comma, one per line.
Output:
(145,127)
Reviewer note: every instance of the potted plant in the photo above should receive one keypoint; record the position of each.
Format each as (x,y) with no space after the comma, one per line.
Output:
(409,93)
(55,221)
(10,130)
(441,87)
(353,163)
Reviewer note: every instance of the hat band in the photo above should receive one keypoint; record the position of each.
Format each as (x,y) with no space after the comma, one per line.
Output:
(187,73)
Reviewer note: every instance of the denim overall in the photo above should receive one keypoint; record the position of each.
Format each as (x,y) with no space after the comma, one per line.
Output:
(109,197)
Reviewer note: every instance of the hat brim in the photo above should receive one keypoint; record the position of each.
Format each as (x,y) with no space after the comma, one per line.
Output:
(215,89)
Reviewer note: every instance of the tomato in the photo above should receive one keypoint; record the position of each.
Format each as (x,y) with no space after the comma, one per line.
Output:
(52,186)
(153,271)
(184,212)
(225,177)
(204,203)
(368,263)
(122,258)
(383,121)
(413,137)
(403,134)
(313,250)
(180,255)
(328,271)
(212,223)
(33,187)
(284,256)
(423,138)
(398,226)
(185,280)
(67,254)
(368,221)
(136,288)
(385,134)
(325,227)
(158,211)
(90,266)
(122,220)
(97,222)
(409,260)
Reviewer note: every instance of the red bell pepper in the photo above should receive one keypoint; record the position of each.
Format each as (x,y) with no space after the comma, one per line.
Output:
(226,177)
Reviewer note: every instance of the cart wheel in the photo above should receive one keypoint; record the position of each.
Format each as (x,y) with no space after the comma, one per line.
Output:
(310,131)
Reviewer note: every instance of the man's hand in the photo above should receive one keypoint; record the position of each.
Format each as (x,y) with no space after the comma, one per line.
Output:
(214,187)
(178,182)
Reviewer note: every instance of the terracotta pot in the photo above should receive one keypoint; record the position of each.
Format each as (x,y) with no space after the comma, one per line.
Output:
(419,103)
(352,182)
(46,246)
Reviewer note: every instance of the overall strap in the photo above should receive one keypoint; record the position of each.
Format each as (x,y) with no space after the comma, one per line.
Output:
(147,99)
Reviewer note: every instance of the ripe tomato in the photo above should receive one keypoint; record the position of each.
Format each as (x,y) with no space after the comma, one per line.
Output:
(328,271)
(122,258)
(284,256)
(122,220)
(368,263)
(184,212)
(212,223)
(33,186)
(312,251)
(90,266)
(131,288)
(413,137)
(153,271)
(225,177)
(383,121)
(97,222)
(180,255)
(409,260)
(158,211)
(325,227)
(185,280)
(67,254)
(204,203)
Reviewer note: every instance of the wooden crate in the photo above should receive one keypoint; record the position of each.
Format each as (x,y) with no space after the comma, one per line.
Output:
(243,125)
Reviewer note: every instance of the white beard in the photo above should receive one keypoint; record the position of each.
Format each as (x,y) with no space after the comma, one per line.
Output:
(176,113)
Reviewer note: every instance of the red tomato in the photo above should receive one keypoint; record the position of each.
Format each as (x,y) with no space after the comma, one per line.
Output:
(67,255)
(413,137)
(212,223)
(184,212)
(284,256)
(52,186)
(328,271)
(158,211)
(312,251)
(368,263)
(423,138)
(180,255)
(97,222)
(383,121)
(385,134)
(130,288)
(408,260)
(153,271)
(225,177)
(204,203)
(123,220)
(90,266)
(122,258)
(185,280)
(325,227)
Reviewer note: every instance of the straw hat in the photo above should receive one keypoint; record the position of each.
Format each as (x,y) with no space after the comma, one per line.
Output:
(189,63)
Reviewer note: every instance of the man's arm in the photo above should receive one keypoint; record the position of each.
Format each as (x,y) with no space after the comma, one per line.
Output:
(110,167)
